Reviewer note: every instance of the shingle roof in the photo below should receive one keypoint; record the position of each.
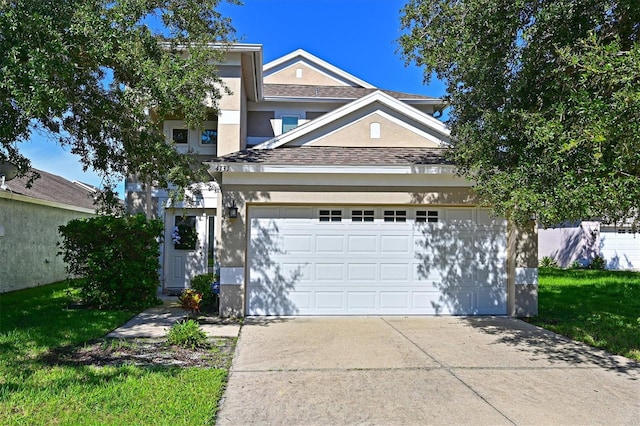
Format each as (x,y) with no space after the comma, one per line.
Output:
(50,187)
(338,156)
(331,92)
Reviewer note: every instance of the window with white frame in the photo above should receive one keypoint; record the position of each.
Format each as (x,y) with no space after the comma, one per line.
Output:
(180,136)
(426,216)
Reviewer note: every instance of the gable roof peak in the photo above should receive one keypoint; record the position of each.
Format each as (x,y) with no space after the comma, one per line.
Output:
(303,55)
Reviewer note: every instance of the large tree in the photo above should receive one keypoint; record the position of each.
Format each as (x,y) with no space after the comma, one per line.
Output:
(88,73)
(545,100)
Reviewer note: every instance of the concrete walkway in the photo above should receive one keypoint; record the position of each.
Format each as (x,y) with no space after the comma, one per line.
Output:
(156,322)
(419,371)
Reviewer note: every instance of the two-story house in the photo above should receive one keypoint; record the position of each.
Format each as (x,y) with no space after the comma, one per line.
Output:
(329,196)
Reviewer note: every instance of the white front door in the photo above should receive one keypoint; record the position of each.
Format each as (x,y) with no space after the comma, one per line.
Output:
(376,260)
(185,247)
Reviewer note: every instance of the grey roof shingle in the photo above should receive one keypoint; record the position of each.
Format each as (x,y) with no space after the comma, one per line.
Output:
(338,156)
(332,92)
(50,187)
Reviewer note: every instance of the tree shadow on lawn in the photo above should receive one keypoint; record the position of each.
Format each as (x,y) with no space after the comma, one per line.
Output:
(545,345)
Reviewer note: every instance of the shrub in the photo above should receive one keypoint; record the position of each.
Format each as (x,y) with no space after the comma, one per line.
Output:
(576,265)
(190,300)
(598,263)
(187,334)
(548,262)
(116,259)
(202,284)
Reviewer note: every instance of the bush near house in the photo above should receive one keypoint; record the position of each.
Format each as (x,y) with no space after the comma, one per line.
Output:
(202,284)
(115,258)
(599,308)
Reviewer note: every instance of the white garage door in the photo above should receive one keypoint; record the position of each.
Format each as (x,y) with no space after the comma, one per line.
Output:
(620,247)
(375,261)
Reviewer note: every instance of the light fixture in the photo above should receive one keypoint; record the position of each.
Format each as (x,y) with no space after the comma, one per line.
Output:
(232,210)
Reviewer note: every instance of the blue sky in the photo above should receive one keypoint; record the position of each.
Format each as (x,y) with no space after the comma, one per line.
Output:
(358,36)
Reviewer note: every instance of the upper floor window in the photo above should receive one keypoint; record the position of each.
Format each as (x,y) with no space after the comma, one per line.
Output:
(374,130)
(289,123)
(180,136)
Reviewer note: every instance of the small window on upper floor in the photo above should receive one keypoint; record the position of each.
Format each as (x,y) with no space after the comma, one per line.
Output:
(180,136)
(289,123)
(374,130)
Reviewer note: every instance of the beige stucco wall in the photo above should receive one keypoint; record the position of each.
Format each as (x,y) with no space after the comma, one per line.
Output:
(358,134)
(28,250)
(522,270)
(310,76)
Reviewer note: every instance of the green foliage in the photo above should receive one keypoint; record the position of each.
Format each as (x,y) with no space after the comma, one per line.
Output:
(190,300)
(116,259)
(202,284)
(598,263)
(187,334)
(545,101)
(576,265)
(84,73)
(548,262)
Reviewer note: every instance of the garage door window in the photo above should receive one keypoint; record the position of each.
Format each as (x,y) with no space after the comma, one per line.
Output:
(430,216)
(395,215)
(362,215)
(330,215)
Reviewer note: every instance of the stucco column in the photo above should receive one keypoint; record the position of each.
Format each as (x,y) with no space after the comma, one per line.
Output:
(231,256)
(522,270)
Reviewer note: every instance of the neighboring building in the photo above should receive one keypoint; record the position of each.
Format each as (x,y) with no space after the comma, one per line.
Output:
(619,246)
(330,196)
(29,221)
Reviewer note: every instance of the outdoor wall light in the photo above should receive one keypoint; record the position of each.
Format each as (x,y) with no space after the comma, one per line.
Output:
(232,211)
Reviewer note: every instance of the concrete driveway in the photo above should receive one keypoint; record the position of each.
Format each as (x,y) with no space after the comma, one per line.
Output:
(418,371)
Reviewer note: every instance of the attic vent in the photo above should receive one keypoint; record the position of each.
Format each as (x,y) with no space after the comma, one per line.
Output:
(298,72)
(374,130)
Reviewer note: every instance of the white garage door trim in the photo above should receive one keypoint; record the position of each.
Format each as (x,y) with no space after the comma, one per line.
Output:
(383,260)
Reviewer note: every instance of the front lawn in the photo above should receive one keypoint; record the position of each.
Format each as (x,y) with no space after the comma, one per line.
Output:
(36,322)
(600,308)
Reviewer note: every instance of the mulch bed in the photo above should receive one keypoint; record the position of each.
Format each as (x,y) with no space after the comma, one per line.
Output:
(144,352)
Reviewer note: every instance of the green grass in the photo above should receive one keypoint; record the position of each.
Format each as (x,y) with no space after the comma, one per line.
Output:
(599,308)
(36,320)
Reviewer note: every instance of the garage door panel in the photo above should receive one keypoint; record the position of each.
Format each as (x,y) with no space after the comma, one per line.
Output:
(395,271)
(375,267)
(330,244)
(394,244)
(363,243)
(330,272)
(297,244)
(329,300)
(362,272)
(362,300)
(394,300)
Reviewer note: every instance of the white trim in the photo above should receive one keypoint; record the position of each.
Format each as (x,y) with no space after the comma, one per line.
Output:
(377,96)
(319,63)
(25,199)
(419,169)
(526,276)
(231,275)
